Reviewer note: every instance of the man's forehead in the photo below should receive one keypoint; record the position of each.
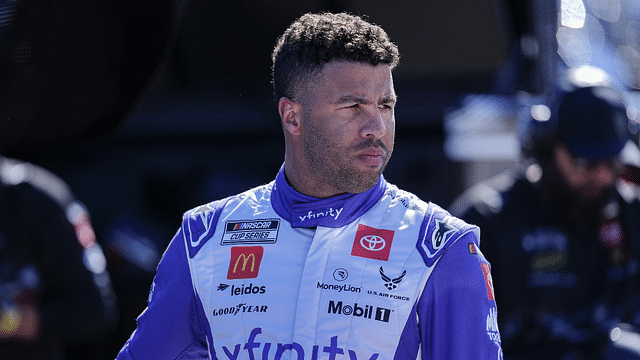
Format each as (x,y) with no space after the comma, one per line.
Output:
(357,80)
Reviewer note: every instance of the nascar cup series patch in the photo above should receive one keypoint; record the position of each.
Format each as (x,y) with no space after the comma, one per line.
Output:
(250,232)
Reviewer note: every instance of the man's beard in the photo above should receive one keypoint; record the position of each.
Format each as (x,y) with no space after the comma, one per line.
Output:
(333,165)
(572,208)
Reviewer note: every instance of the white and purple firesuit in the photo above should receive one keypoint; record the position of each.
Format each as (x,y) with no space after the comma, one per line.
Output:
(275,274)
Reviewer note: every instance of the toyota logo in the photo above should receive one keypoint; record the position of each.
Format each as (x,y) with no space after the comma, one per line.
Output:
(373,242)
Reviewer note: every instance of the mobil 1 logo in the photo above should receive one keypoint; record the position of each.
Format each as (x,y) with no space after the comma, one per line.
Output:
(360,311)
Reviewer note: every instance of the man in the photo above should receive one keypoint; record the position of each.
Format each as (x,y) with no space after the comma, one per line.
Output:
(563,241)
(328,261)
(55,294)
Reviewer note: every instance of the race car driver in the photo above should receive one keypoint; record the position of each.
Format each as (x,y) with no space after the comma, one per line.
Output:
(328,261)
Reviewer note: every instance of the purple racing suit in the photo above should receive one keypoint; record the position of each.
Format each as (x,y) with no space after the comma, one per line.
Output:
(275,274)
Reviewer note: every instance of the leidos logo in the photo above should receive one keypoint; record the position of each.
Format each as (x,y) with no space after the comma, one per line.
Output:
(372,243)
(245,262)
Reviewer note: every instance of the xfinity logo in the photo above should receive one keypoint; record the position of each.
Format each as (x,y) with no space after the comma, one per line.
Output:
(272,351)
(313,215)
(367,312)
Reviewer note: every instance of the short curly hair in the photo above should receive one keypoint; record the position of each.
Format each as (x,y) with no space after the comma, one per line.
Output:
(316,39)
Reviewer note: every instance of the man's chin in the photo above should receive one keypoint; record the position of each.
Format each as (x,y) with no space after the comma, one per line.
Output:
(361,181)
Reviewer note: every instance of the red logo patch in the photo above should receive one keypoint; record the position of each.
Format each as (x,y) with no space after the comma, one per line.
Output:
(245,262)
(372,243)
(488,280)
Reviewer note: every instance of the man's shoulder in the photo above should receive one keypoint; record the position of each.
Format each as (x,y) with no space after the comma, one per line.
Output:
(405,198)
(440,230)
(199,223)
(253,196)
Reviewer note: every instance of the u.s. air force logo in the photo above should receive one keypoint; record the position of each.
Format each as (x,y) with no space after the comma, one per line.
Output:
(435,236)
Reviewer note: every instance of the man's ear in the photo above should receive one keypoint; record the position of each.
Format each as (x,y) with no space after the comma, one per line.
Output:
(290,114)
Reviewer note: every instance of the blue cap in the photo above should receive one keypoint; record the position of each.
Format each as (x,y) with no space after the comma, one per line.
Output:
(592,122)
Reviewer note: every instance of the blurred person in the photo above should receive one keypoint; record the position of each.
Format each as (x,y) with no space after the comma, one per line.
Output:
(328,260)
(55,294)
(563,230)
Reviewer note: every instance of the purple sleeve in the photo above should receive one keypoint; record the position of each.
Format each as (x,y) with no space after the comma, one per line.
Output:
(457,310)
(173,325)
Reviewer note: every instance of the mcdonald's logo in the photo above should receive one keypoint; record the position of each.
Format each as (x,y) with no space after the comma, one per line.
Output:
(245,262)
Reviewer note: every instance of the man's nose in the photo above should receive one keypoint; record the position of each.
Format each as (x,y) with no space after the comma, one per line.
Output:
(374,125)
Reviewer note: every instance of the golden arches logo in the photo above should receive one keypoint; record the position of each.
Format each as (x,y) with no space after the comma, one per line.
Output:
(245,260)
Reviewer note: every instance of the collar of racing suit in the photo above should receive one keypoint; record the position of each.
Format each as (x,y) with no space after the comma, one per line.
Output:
(334,212)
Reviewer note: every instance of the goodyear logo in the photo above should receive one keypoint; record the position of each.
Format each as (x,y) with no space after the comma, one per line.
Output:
(251,232)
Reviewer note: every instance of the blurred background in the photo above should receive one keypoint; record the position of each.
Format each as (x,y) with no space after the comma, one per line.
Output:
(148,109)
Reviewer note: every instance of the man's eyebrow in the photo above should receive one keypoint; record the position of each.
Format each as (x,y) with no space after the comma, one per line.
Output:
(351,99)
(391,98)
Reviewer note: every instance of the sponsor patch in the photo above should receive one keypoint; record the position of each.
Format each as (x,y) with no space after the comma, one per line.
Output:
(250,232)
(372,243)
(492,326)
(223,287)
(391,283)
(488,280)
(472,249)
(245,262)
(441,233)
(340,274)
(437,234)
(240,309)
(361,311)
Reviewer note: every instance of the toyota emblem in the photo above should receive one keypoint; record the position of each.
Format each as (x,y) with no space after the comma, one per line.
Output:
(373,242)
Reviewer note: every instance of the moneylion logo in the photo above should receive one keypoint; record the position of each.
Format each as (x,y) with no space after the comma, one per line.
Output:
(245,262)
